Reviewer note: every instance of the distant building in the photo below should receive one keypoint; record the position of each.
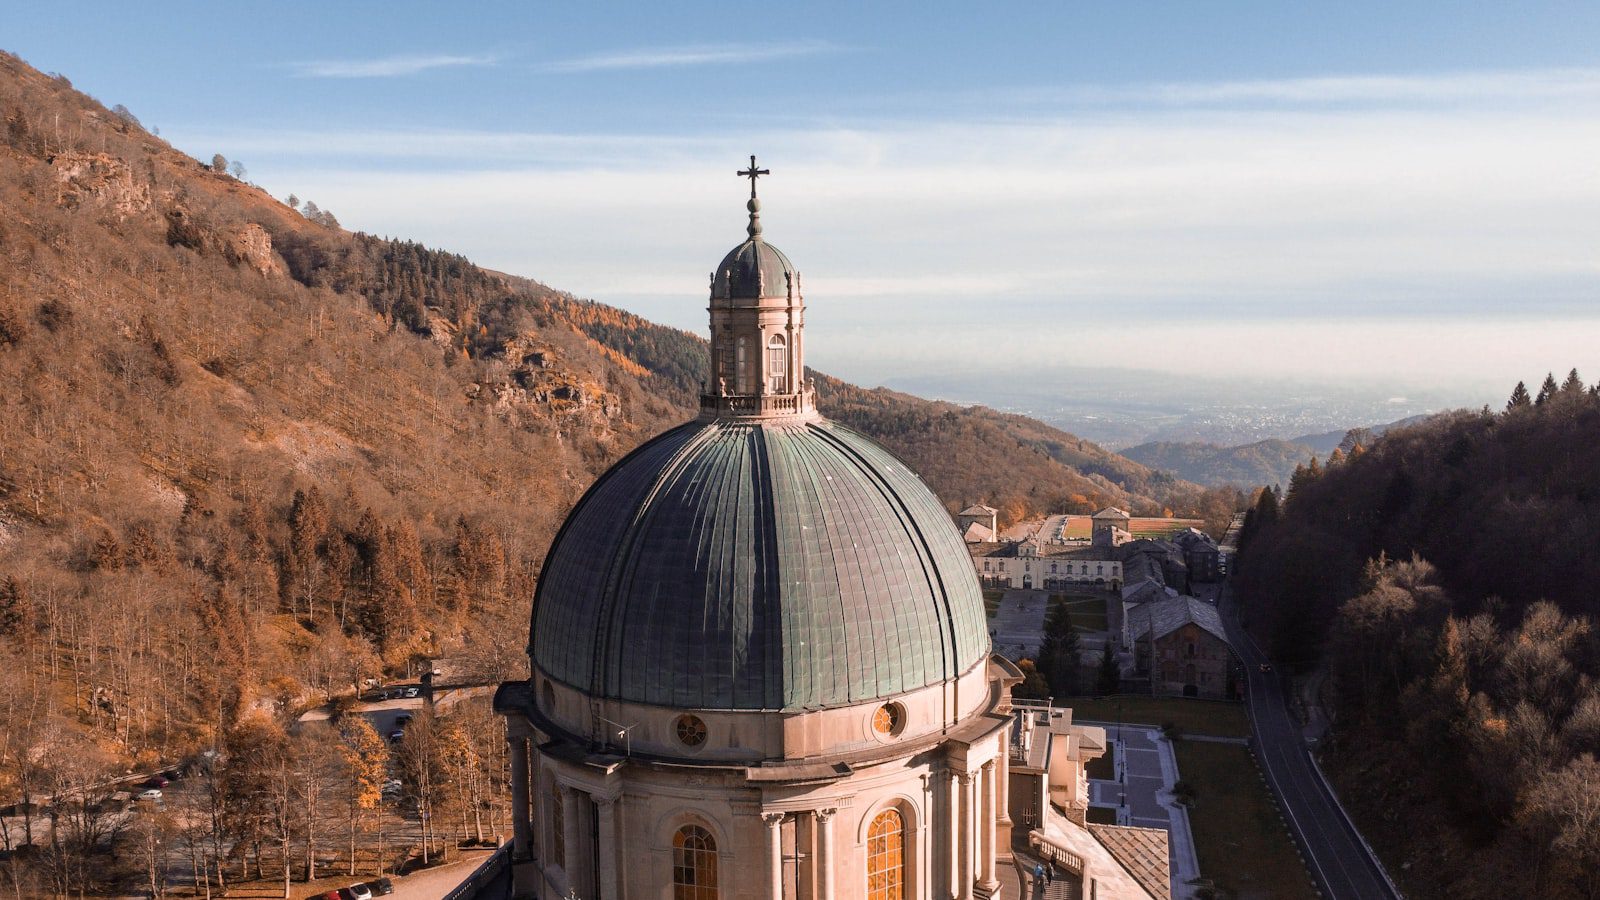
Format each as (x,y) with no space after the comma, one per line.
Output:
(1201,554)
(1109,527)
(1180,645)
(978,523)
(1035,565)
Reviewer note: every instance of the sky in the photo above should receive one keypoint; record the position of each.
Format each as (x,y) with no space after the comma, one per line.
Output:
(1395,194)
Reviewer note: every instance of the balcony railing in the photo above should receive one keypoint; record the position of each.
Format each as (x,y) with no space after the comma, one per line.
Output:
(756,404)
(1046,846)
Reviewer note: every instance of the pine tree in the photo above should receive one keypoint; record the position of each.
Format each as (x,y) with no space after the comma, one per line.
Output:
(1547,390)
(1060,652)
(1573,385)
(303,569)
(15,609)
(1519,398)
(1110,676)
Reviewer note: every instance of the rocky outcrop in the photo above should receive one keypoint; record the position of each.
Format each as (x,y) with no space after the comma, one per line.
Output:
(101,181)
(247,244)
(251,245)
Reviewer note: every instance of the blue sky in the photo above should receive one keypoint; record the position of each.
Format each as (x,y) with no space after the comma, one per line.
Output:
(1398,193)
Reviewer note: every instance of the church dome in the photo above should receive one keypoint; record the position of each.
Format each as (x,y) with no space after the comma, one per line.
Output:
(748,564)
(752,270)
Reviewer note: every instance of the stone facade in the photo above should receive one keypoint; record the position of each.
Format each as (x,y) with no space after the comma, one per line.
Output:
(1188,660)
(786,803)
(1048,567)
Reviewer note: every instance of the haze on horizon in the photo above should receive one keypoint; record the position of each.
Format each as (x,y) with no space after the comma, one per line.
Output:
(1391,196)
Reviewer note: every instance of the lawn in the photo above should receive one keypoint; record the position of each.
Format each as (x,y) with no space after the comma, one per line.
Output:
(1242,844)
(1088,613)
(1191,716)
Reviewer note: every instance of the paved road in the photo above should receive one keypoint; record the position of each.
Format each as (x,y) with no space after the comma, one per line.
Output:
(1338,859)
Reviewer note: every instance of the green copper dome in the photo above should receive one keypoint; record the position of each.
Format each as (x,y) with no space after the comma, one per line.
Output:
(759,566)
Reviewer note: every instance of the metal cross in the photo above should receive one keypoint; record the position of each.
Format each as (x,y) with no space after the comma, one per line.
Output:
(753,173)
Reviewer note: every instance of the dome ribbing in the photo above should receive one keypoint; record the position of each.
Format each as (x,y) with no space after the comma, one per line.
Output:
(757,566)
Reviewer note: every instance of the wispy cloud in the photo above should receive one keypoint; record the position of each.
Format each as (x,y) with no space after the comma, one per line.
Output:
(386,66)
(698,55)
(1308,215)
(1434,89)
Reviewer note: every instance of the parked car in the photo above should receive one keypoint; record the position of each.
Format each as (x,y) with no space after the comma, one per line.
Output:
(360,891)
(156,781)
(148,794)
(392,786)
(381,886)
(331,895)
(413,692)
(396,736)
(403,720)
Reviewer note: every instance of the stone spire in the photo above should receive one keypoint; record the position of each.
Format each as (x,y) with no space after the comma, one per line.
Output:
(757,329)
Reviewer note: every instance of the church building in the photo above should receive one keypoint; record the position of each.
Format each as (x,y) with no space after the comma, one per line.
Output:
(759,664)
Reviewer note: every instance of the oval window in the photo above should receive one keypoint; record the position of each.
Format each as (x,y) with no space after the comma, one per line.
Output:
(691,731)
(888,719)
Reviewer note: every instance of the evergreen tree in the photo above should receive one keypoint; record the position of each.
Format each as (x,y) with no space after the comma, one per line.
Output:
(15,611)
(1060,653)
(1573,385)
(1110,676)
(1519,398)
(1547,390)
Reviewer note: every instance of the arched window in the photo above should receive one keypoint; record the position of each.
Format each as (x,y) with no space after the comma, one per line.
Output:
(694,864)
(886,857)
(777,365)
(725,353)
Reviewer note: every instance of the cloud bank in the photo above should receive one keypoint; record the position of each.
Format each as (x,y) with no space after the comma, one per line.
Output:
(1432,213)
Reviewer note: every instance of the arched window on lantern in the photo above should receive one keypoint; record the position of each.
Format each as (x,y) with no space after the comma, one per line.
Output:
(694,864)
(777,365)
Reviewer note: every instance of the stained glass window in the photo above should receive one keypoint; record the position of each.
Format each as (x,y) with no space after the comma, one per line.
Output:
(886,857)
(694,864)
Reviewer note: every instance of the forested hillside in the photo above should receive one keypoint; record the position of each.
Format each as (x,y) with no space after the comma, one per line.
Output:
(248,459)
(1263,462)
(1446,579)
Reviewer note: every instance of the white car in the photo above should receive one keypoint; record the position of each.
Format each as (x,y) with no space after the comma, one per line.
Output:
(360,891)
(149,794)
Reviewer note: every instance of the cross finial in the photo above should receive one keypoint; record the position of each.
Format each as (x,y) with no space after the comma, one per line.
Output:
(753,173)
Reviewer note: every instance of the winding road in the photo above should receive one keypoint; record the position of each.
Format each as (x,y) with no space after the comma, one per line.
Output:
(1340,861)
